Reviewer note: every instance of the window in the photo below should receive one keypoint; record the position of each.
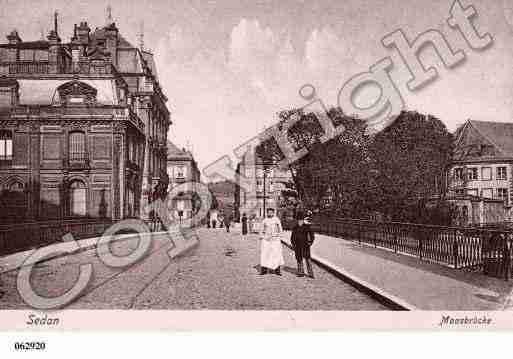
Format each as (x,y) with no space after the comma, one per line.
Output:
(458,174)
(486,173)
(460,192)
(487,193)
(502,193)
(6,97)
(77,198)
(15,187)
(77,150)
(472,192)
(26,55)
(472,174)
(464,215)
(181,171)
(5,146)
(501,173)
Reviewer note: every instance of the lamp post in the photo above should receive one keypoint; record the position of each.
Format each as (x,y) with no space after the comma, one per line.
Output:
(267,167)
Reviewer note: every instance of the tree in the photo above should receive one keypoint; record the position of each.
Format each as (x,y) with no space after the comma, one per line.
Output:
(395,172)
(334,176)
(409,158)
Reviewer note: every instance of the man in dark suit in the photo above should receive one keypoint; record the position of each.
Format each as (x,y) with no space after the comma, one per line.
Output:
(302,239)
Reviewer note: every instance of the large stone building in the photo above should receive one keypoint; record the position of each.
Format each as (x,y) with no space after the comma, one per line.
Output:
(481,171)
(83,126)
(182,168)
(266,181)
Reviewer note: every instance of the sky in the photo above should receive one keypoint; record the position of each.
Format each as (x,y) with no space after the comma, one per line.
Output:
(228,66)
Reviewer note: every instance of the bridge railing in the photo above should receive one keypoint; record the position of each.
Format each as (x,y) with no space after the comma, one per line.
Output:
(485,250)
(24,236)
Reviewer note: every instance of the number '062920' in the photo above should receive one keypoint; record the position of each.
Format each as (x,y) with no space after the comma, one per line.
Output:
(29,346)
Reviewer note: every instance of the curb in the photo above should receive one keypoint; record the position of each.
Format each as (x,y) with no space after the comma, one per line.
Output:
(382,296)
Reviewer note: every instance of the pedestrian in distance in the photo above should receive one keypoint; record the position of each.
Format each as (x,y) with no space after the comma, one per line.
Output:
(302,239)
(213,218)
(244,221)
(271,255)
(228,222)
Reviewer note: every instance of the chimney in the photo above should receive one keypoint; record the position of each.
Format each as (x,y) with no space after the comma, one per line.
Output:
(141,37)
(74,38)
(53,36)
(55,22)
(111,37)
(82,32)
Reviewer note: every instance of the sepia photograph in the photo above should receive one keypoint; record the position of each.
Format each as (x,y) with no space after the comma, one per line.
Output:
(256,164)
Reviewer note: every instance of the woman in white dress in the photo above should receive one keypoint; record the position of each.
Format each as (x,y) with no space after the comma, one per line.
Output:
(271,255)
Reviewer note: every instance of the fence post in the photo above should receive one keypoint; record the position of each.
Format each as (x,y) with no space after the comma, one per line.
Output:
(455,251)
(421,242)
(376,229)
(395,231)
(507,258)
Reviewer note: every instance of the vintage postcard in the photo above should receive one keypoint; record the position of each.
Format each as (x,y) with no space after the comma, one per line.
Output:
(269,165)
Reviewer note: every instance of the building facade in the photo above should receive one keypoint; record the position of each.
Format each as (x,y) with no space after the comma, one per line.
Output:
(182,168)
(265,183)
(83,126)
(482,166)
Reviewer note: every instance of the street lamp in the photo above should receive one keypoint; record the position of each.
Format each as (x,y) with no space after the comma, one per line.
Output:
(266,171)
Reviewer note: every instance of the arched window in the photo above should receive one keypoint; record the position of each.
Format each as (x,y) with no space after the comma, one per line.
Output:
(15,187)
(5,145)
(77,198)
(77,150)
(13,201)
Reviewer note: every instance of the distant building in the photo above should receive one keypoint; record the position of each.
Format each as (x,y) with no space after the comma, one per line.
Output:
(83,126)
(266,183)
(482,169)
(182,168)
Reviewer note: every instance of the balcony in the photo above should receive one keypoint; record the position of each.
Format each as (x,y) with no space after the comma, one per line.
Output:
(45,67)
(77,161)
(6,161)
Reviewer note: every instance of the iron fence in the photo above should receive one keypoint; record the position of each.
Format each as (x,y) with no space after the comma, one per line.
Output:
(24,236)
(479,249)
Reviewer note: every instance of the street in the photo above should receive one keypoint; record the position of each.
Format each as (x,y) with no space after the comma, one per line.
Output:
(218,274)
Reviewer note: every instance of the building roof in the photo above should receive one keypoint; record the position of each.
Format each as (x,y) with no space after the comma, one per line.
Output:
(173,152)
(39,44)
(44,92)
(497,134)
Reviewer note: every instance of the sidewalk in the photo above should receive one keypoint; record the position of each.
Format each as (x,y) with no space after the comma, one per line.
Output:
(412,283)
(14,261)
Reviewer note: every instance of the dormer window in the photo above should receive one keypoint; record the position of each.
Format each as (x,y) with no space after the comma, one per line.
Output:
(76,93)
